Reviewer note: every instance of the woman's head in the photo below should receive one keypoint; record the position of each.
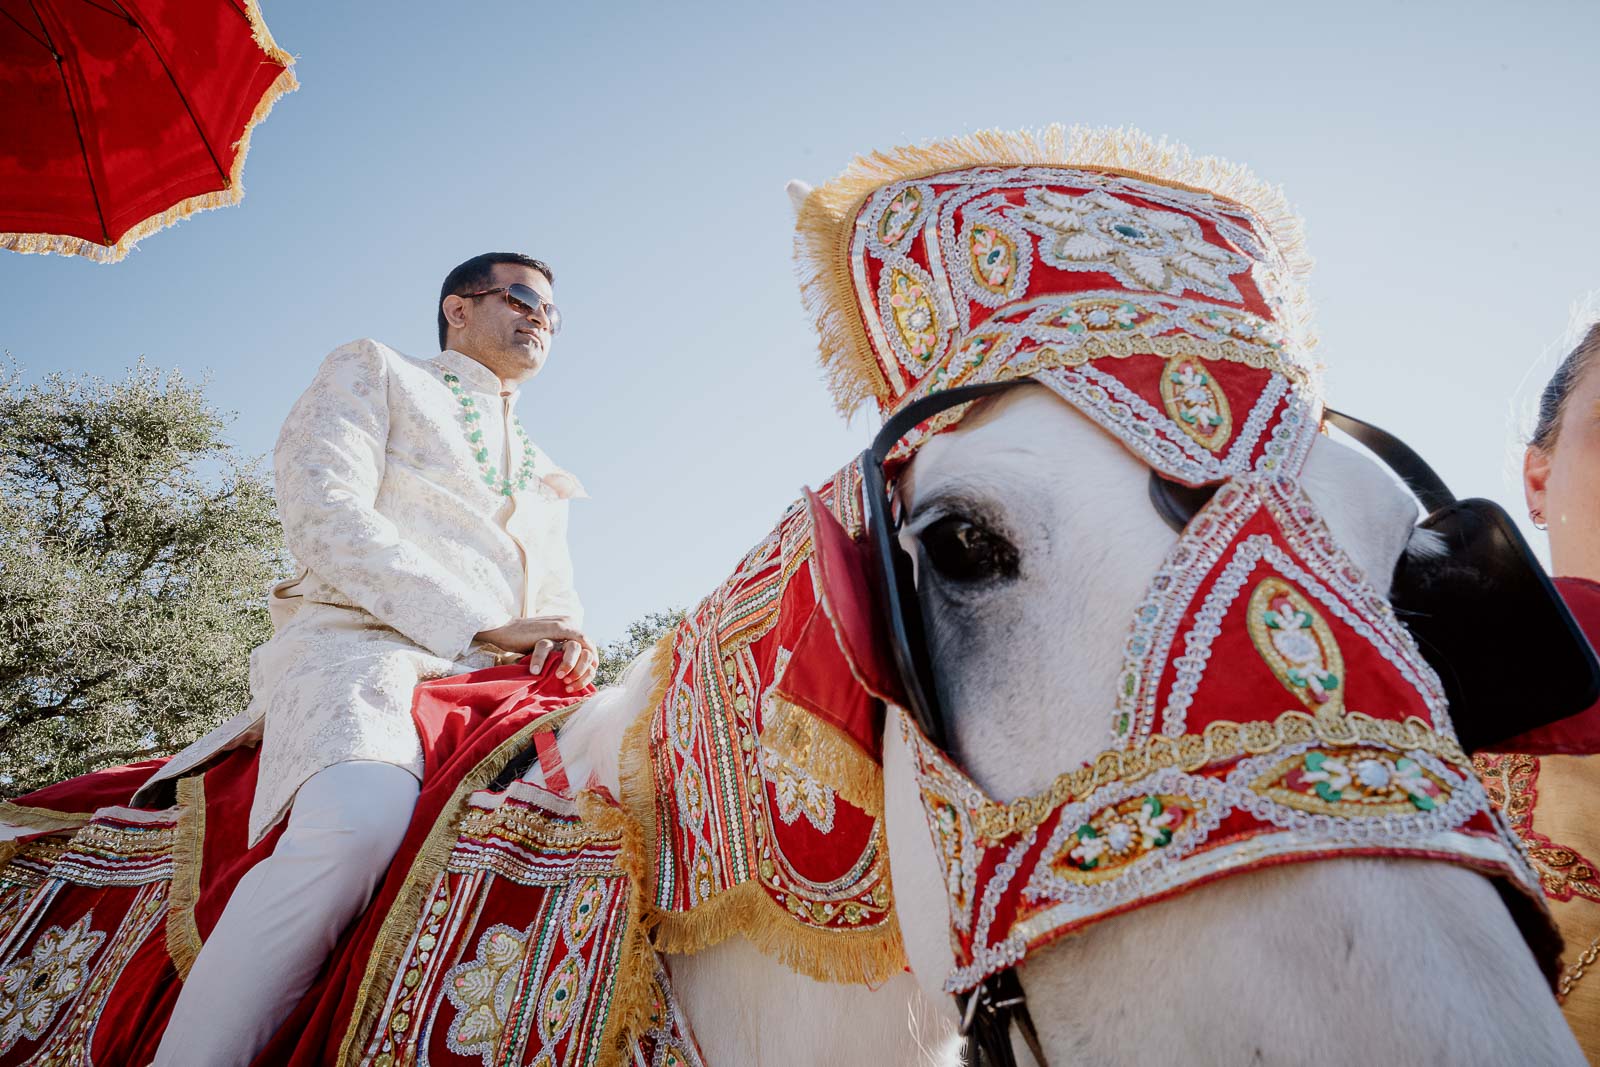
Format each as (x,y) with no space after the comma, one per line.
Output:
(1561,469)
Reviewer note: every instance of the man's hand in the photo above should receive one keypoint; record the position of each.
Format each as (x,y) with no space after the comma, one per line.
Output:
(542,634)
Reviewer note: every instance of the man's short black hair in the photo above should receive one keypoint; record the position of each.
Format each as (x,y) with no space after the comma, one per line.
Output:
(478,273)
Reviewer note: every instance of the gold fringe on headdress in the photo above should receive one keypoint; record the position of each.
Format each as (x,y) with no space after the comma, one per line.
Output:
(230,194)
(826,223)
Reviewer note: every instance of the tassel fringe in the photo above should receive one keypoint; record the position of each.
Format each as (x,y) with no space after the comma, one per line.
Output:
(43,819)
(183,932)
(827,219)
(232,193)
(824,752)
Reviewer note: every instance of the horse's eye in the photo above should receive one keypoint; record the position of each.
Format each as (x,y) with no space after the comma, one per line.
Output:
(962,551)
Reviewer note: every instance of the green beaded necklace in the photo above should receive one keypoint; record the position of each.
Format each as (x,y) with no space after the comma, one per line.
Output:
(480,452)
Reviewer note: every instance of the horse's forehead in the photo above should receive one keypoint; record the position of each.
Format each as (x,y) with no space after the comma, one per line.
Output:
(1029,429)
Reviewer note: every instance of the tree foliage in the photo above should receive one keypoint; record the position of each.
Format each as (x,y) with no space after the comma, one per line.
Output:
(135,548)
(642,633)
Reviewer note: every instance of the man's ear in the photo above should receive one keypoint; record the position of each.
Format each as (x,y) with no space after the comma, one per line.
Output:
(455,310)
(1535,477)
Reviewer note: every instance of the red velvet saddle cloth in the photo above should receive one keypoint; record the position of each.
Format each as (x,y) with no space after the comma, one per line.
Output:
(506,931)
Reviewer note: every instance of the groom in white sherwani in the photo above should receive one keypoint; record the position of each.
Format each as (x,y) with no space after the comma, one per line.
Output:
(431,536)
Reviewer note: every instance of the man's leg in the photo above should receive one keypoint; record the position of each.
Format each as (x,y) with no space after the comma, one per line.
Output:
(286,913)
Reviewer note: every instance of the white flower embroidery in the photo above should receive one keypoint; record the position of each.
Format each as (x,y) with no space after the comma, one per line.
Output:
(1335,772)
(1160,251)
(34,989)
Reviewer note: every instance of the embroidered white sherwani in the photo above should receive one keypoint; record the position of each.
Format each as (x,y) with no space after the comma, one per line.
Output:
(405,553)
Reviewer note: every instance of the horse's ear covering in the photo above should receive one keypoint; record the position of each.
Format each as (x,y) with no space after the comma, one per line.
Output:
(842,567)
(798,191)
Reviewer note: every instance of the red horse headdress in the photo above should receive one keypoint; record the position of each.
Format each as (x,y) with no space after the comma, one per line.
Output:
(1271,708)
(1159,293)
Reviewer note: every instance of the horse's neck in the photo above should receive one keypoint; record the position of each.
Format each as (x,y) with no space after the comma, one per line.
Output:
(747,1008)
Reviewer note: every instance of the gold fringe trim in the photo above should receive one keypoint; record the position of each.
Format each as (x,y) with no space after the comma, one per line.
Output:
(42,818)
(634,768)
(230,194)
(1219,741)
(826,225)
(183,931)
(631,999)
(853,956)
(425,869)
(8,851)
(825,752)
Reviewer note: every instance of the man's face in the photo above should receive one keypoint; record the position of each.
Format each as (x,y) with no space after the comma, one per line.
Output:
(513,344)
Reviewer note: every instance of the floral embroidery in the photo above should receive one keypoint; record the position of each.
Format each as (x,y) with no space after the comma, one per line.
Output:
(1162,251)
(993,258)
(1335,782)
(1512,784)
(561,995)
(797,792)
(483,990)
(1098,314)
(900,215)
(1121,833)
(34,989)
(1297,645)
(589,896)
(915,321)
(1195,401)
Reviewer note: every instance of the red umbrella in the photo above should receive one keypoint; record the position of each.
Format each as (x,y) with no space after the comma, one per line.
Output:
(119,117)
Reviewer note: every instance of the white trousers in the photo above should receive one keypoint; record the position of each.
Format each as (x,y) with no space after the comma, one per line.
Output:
(286,913)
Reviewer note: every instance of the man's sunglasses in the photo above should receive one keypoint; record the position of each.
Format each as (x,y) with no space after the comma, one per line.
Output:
(524,300)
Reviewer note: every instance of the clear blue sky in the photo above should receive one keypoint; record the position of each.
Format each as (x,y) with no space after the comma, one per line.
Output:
(1444,154)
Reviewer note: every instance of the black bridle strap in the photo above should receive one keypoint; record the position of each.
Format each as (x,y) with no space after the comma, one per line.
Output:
(1398,457)
(987,1015)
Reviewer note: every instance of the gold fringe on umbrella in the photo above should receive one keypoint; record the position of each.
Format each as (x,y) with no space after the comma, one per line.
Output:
(826,225)
(232,193)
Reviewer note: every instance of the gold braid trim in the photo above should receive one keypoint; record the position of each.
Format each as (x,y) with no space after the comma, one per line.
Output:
(825,752)
(42,818)
(852,957)
(183,932)
(1219,741)
(228,195)
(1122,346)
(827,222)
(426,867)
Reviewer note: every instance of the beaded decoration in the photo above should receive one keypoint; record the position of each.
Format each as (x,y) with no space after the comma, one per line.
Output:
(470,417)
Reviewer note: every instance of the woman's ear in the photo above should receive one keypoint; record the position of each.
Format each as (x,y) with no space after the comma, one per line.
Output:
(1535,477)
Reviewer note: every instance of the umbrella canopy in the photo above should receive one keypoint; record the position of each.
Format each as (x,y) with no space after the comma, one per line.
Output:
(119,117)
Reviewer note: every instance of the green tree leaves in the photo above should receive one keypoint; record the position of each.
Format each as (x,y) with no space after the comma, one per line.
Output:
(136,547)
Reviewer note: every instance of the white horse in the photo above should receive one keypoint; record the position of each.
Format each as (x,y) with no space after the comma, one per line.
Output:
(1339,961)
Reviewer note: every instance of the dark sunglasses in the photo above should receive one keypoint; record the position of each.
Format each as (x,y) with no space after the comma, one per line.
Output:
(524,300)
